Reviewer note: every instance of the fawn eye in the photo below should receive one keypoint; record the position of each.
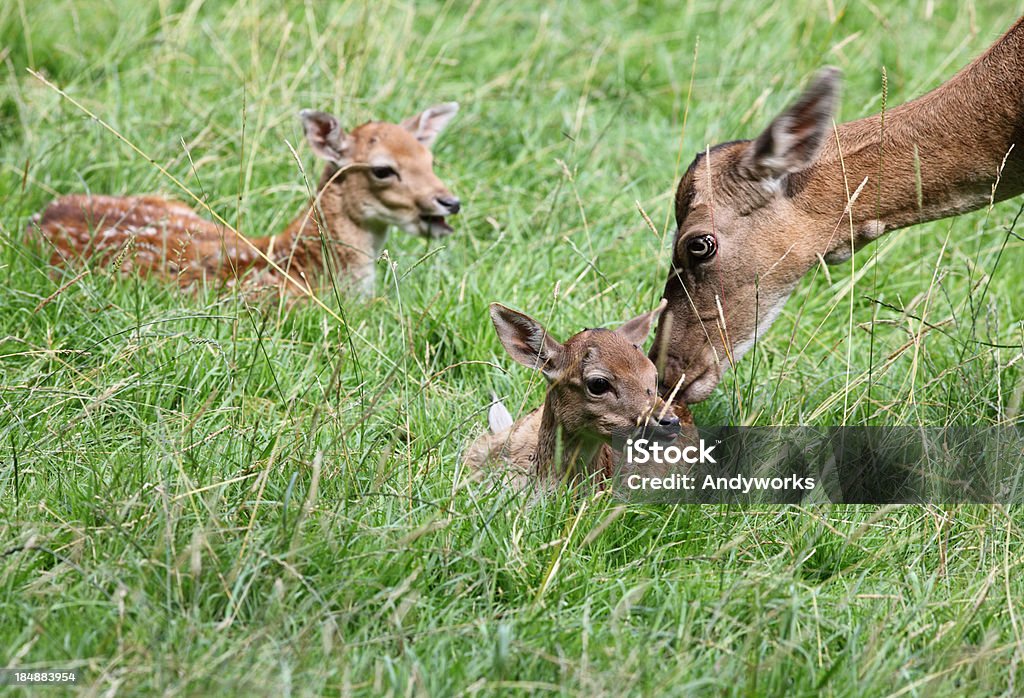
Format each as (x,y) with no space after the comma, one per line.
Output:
(702,247)
(383,172)
(598,386)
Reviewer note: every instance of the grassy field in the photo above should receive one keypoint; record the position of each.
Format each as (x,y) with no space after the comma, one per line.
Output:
(200,496)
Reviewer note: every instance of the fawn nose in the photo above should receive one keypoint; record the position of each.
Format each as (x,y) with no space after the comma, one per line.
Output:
(450,203)
(668,420)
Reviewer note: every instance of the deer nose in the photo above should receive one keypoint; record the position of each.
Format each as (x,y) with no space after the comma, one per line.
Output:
(450,203)
(668,420)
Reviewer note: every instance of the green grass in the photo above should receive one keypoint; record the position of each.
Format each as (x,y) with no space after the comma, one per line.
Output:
(199,496)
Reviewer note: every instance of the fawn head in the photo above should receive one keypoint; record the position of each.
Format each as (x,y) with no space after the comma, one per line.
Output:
(742,243)
(387,170)
(601,384)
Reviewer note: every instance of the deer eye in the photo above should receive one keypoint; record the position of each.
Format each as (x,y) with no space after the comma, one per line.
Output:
(598,386)
(383,172)
(702,247)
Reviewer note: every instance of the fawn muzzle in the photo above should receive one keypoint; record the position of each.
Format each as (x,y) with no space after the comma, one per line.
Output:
(434,222)
(662,424)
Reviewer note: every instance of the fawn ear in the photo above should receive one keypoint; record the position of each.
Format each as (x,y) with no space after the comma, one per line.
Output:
(793,141)
(428,124)
(637,329)
(325,136)
(526,341)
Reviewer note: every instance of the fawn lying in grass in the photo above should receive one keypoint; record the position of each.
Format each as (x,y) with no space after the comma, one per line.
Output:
(602,387)
(377,176)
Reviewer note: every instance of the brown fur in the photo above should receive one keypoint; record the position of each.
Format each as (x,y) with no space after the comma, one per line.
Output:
(342,229)
(570,436)
(777,205)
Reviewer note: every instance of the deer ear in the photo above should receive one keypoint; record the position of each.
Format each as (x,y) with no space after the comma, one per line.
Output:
(637,329)
(794,140)
(325,136)
(427,125)
(526,341)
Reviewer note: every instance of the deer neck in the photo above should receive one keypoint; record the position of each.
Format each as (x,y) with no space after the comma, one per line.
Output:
(953,150)
(564,455)
(330,232)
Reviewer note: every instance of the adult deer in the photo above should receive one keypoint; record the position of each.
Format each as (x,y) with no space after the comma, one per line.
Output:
(377,176)
(754,216)
(602,387)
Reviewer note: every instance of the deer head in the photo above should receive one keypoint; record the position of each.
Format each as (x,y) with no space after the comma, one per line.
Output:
(601,384)
(742,242)
(384,172)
